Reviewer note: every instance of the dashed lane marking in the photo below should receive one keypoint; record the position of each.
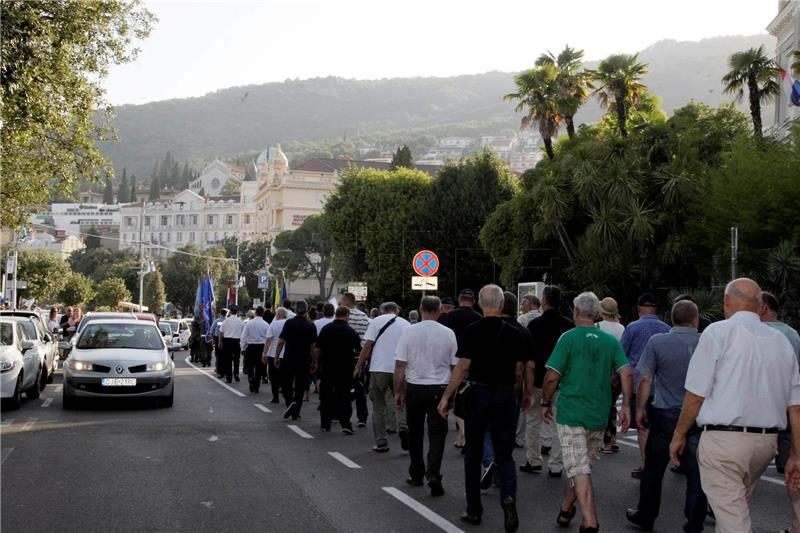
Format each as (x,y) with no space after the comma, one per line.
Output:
(776,481)
(300,432)
(215,380)
(4,454)
(434,518)
(344,460)
(262,407)
(59,388)
(47,402)
(212,438)
(29,424)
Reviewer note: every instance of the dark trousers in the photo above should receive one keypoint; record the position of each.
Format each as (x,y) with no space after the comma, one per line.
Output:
(274,378)
(294,381)
(656,459)
(231,353)
(218,358)
(257,367)
(334,400)
(492,408)
(360,396)
(421,403)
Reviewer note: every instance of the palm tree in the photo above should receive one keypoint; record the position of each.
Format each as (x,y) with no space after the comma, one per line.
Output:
(537,92)
(620,76)
(572,82)
(756,72)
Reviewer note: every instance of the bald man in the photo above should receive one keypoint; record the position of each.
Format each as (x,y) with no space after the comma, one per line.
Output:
(742,378)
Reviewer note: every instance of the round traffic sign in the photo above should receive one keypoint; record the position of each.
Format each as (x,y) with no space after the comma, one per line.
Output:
(425,263)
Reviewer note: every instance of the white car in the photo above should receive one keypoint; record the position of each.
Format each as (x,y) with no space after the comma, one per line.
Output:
(119,358)
(181,330)
(46,341)
(20,366)
(170,336)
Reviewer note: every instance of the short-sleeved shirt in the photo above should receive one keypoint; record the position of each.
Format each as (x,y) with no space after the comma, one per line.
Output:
(232,328)
(546,330)
(299,334)
(585,357)
(494,348)
(273,334)
(338,344)
(429,351)
(525,318)
(746,371)
(359,321)
(791,335)
(614,328)
(459,319)
(382,359)
(636,336)
(268,316)
(322,322)
(666,359)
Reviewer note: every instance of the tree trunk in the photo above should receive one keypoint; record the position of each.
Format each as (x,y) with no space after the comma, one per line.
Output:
(622,117)
(548,147)
(570,120)
(755,105)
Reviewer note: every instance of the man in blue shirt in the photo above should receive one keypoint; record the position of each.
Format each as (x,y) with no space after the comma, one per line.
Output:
(222,315)
(633,342)
(666,360)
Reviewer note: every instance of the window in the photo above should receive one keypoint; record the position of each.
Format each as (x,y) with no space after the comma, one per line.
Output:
(194,219)
(130,222)
(180,220)
(160,236)
(191,236)
(180,236)
(229,220)
(247,219)
(164,221)
(168,236)
(124,237)
(147,222)
(210,220)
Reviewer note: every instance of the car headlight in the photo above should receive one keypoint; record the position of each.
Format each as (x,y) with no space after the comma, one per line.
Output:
(6,365)
(156,367)
(80,366)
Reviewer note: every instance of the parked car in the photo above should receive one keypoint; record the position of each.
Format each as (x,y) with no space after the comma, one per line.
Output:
(170,336)
(119,358)
(43,346)
(181,330)
(49,338)
(20,366)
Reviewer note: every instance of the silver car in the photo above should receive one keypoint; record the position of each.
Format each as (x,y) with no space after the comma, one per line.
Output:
(119,358)
(20,366)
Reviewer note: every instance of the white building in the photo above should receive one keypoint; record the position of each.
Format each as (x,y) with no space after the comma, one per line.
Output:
(62,244)
(214,177)
(74,219)
(785,27)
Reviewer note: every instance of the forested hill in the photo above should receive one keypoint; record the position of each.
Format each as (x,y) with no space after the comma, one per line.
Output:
(242,119)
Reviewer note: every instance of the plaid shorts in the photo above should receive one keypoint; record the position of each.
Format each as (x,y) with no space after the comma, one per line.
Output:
(578,449)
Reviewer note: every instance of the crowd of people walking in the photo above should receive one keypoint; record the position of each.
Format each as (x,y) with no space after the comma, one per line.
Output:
(717,400)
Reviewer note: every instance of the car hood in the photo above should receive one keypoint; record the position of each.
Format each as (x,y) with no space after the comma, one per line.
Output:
(118,354)
(9,352)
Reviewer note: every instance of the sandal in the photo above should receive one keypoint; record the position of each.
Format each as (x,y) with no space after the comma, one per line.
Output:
(565,517)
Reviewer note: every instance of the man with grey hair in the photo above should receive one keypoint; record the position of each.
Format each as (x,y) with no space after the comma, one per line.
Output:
(298,336)
(581,366)
(530,309)
(665,360)
(380,343)
(742,378)
(493,353)
(269,355)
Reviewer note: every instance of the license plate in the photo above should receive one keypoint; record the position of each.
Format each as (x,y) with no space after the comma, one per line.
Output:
(118,382)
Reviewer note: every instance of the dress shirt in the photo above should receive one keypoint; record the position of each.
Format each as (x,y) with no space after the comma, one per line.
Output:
(747,373)
(215,326)
(791,335)
(635,338)
(322,322)
(274,333)
(665,359)
(255,332)
(525,319)
(231,328)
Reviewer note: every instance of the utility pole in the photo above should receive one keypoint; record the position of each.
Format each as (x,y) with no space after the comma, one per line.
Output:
(14,281)
(141,256)
(236,296)
(734,250)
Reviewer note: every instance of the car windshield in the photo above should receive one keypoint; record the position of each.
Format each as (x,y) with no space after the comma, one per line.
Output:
(122,336)
(6,334)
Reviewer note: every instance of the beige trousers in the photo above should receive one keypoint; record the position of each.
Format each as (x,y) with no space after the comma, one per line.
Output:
(534,426)
(731,464)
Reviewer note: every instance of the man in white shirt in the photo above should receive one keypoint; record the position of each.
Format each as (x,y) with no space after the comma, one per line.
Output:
(230,332)
(531,308)
(380,342)
(268,355)
(328,310)
(252,342)
(742,377)
(424,360)
(359,321)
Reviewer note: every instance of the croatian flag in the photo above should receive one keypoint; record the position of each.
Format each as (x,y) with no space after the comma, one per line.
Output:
(790,87)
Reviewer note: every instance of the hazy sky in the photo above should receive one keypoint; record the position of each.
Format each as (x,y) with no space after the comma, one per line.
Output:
(199,47)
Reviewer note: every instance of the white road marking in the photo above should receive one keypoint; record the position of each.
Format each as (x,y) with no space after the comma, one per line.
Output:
(4,455)
(208,504)
(262,407)
(773,480)
(29,424)
(626,443)
(47,402)
(212,438)
(344,460)
(217,381)
(59,388)
(434,518)
(300,432)
(6,422)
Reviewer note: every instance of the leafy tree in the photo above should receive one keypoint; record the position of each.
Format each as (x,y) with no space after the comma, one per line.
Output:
(783,265)
(619,77)
(537,94)
(98,263)
(753,70)
(108,192)
(307,252)
(55,55)
(111,292)
(182,271)
(93,240)
(124,191)
(231,188)
(45,273)
(252,260)
(402,158)
(132,196)
(572,83)
(155,189)
(77,291)
(154,297)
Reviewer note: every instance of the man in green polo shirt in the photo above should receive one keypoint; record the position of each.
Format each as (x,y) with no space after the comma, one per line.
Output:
(581,366)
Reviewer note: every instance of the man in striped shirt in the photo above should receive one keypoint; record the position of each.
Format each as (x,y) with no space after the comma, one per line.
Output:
(359,321)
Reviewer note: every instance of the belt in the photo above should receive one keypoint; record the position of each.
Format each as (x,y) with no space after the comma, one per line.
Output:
(740,429)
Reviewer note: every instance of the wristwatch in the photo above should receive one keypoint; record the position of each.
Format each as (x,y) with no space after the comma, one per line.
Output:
(545,403)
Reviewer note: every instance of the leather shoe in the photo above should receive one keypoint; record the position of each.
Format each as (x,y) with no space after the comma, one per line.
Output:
(414,482)
(530,469)
(635,517)
(510,518)
(474,520)
(436,487)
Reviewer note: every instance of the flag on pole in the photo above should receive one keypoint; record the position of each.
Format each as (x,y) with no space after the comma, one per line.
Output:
(209,302)
(198,298)
(791,87)
(230,298)
(284,295)
(277,293)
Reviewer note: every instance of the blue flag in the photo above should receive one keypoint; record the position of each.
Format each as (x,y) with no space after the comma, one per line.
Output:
(198,300)
(284,296)
(209,303)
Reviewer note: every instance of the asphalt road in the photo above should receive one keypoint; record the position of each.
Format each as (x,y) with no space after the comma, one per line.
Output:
(218,461)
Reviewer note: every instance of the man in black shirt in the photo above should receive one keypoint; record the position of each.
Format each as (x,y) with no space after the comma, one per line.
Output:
(298,336)
(335,352)
(545,330)
(268,316)
(493,352)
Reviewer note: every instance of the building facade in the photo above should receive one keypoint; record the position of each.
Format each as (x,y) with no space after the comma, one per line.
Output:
(785,27)
(81,219)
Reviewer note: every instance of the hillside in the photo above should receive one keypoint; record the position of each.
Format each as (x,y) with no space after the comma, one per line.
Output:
(243,119)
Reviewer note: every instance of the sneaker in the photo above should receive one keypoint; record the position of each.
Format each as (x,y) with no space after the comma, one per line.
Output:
(404,439)
(362,424)
(347,431)
(468,518)
(488,476)
(637,473)
(554,474)
(530,469)
(436,487)
(510,518)
(380,448)
(289,410)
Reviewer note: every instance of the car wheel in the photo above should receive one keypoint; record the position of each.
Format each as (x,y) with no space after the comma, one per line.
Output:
(43,378)
(33,391)
(168,401)
(52,371)
(15,401)
(67,402)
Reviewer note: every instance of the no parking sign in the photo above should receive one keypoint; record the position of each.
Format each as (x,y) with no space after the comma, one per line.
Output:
(425,263)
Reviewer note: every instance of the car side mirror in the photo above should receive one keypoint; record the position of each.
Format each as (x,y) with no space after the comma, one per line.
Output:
(47,338)
(27,344)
